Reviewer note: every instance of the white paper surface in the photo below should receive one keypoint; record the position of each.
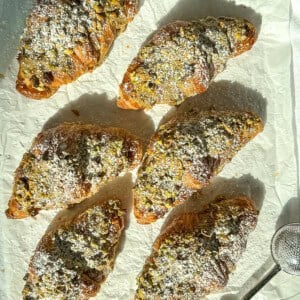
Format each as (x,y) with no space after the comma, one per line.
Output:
(265,169)
(295,39)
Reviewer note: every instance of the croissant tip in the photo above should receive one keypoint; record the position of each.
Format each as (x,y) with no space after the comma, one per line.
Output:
(142,218)
(125,104)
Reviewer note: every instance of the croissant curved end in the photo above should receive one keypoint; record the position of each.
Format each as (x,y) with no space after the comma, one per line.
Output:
(141,217)
(29,91)
(242,35)
(125,103)
(13,211)
(144,220)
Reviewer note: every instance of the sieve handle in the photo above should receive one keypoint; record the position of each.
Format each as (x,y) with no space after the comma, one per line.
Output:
(262,283)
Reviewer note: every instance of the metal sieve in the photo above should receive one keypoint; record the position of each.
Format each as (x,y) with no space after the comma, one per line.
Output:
(285,249)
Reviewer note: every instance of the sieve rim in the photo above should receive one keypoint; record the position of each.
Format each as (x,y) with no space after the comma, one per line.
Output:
(279,230)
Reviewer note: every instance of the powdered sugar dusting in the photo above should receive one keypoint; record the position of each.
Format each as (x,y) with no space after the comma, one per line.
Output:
(196,145)
(60,34)
(182,58)
(70,162)
(191,261)
(76,257)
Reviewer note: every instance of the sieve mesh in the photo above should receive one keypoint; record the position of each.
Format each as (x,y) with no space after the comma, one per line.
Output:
(286,248)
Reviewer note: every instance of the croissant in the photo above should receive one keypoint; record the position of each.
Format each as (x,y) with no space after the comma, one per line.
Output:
(64,39)
(185,154)
(181,59)
(69,163)
(72,260)
(194,256)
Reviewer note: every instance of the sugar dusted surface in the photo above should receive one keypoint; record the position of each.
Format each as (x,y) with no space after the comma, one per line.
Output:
(182,58)
(57,29)
(197,145)
(70,162)
(196,257)
(72,257)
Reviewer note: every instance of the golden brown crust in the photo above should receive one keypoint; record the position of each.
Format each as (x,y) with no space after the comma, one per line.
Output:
(185,154)
(80,250)
(187,221)
(181,59)
(57,48)
(140,215)
(125,104)
(195,254)
(69,163)
(14,210)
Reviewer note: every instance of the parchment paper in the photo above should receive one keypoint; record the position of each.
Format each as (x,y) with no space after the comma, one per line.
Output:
(266,169)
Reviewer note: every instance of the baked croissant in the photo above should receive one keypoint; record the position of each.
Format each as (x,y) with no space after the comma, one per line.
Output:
(64,39)
(194,256)
(69,163)
(72,260)
(181,59)
(185,154)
